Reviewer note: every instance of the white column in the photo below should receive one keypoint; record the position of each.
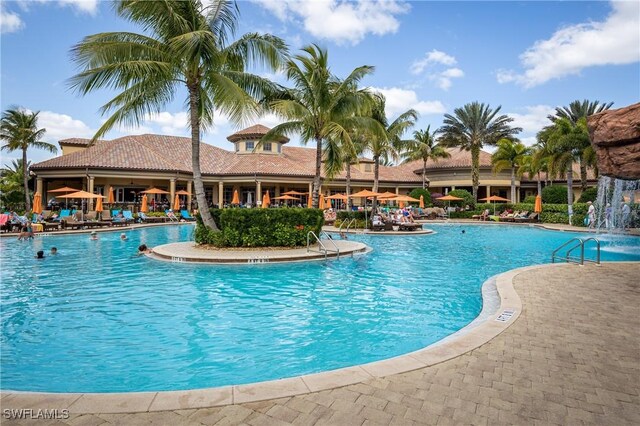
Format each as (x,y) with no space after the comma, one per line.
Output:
(220,194)
(488,190)
(90,190)
(172,192)
(258,192)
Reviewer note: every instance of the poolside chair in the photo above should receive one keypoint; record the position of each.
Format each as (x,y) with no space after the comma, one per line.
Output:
(151,219)
(91,220)
(5,226)
(377,224)
(106,215)
(186,216)
(533,217)
(172,217)
(483,216)
(128,216)
(63,215)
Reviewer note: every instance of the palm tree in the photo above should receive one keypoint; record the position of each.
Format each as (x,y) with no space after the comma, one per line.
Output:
(19,130)
(425,148)
(339,156)
(473,126)
(511,155)
(185,45)
(11,185)
(576,111)
(387,144)
(533,164)
(565,145)
(320,107)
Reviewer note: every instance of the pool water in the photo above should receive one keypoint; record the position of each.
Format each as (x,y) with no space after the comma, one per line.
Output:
(98,318)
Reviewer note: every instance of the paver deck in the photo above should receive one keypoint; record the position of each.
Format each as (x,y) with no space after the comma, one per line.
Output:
(572,357)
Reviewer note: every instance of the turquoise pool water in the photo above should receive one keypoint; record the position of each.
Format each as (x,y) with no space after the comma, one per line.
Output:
(98,318)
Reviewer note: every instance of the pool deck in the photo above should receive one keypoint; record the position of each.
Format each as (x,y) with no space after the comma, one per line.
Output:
(189,252)
(569,355)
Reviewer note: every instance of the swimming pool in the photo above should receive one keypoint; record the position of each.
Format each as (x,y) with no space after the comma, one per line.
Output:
(98,318)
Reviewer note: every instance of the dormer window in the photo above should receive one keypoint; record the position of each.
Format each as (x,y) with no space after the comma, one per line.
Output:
(250,145)
(367,168)
(266,146)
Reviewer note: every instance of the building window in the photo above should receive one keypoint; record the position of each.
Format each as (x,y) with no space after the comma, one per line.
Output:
(119,195)
(266,146)
(279,148)
(367,168)
(250,145)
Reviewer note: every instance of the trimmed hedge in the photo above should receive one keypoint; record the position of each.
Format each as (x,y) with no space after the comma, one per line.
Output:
(417,192)
(554,194)
(260,227)
(467,198)
(531,199)
(358,215)
(589,194)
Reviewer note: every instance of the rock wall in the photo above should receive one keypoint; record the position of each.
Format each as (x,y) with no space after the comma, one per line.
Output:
(615,136)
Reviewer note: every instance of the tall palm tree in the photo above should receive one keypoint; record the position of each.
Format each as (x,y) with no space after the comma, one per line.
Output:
(388,144)
(339,156)
(533,164)
(11,185)
(19,131)
(574,113)
(185,45)
(471,128)
(424,147)
(509,155)
(320,107)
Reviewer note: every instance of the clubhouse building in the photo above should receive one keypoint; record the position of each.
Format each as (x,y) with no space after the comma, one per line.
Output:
(132,164)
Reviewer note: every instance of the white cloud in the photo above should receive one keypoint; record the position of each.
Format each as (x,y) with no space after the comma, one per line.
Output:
(534,119)
(338,20)
(433,61)
(62,126)
(85,6)
(10,22)
(400,100)
(431,58)
(614,41)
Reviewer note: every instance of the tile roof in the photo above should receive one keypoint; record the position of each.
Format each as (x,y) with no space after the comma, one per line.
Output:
(254,132)
(459,159)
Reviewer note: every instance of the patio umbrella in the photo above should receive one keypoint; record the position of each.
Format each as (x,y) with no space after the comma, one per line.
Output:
(403,199)
(449,198)
(387,194)
(99,206)
(310,201)
(285,197)
(422,202)
(321,204)
(341,197)
(112,199)
(154,191)
(183,192)
(37,203)
(493,199)
(83,195)
(538,206)
(143,208)
(176,203)
(401,204)
(64,190)
(364,194)
(236,198)
(294,193)
(266,200)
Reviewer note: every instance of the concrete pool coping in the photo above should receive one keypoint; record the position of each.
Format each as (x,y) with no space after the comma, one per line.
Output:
(188,252)
(470,337)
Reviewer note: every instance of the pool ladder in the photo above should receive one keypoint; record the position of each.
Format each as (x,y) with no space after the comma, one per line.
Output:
(322,248)
(351,222)
(579,243)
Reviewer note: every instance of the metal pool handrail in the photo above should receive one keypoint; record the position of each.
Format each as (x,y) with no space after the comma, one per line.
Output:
(579,243)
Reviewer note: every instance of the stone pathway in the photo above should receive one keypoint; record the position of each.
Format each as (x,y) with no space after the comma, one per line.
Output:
(572,357)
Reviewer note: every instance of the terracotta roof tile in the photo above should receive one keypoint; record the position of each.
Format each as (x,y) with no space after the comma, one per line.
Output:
(254,132)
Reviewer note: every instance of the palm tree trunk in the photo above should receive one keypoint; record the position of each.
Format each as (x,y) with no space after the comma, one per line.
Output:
(475,169)
(376,174)
(348,184)
(570,191)
(539,185)
(203,207)
(513,185)
(583,175)
(25,177)
(316,179)
(424,174)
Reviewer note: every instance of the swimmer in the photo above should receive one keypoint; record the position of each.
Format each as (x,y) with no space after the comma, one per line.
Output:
(54,251)
(143,249)
(123,236)
(463,231)
(94,236)
(39,254)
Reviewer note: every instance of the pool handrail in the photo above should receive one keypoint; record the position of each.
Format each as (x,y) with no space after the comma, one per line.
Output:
(579,243)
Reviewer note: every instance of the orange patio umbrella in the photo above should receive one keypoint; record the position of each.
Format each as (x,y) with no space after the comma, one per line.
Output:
(64,190)
(365,193)
(493,199)
(143,208)
(422,202)
(538,206)
(342,197)
(403,199)
(387,194)
(112,199)
(80,195)
(294,193)
(99,206)
(449,198)
(37,203)
(285,197)
(310,201)
(176,203)
(321,203)
(183,192)
(266,200)
(154,191)
(236,198)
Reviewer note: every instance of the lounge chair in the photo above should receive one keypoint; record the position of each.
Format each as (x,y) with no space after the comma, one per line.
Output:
(128,216)
(72,222)
(92,221)
(377,224)
(483,216)
(409,226)
(106,215)
(533,217)
(151,219)
(172,217)
(5,226)
(64,214)
(186,216)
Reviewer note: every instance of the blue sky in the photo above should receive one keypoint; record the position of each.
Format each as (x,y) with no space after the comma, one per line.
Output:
(527,57)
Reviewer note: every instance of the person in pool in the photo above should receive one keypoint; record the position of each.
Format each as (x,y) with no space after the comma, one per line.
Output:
(54,251)
(123,236)
(94,235)
(40,254)
(143,249)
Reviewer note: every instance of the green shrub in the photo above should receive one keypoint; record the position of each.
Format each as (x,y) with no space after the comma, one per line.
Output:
(358,215)
(416,193)
(531,199)
(467,197)
(554,194)
(463,214)
(260,227)
(589,194)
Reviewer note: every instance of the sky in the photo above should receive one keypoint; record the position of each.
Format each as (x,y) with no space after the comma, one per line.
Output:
(525,57)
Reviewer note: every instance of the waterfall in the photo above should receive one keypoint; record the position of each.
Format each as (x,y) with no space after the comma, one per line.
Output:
(613,195)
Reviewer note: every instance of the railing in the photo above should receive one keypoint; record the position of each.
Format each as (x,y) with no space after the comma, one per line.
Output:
(579,243)
(348,225)
(337,250)
(321,247)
